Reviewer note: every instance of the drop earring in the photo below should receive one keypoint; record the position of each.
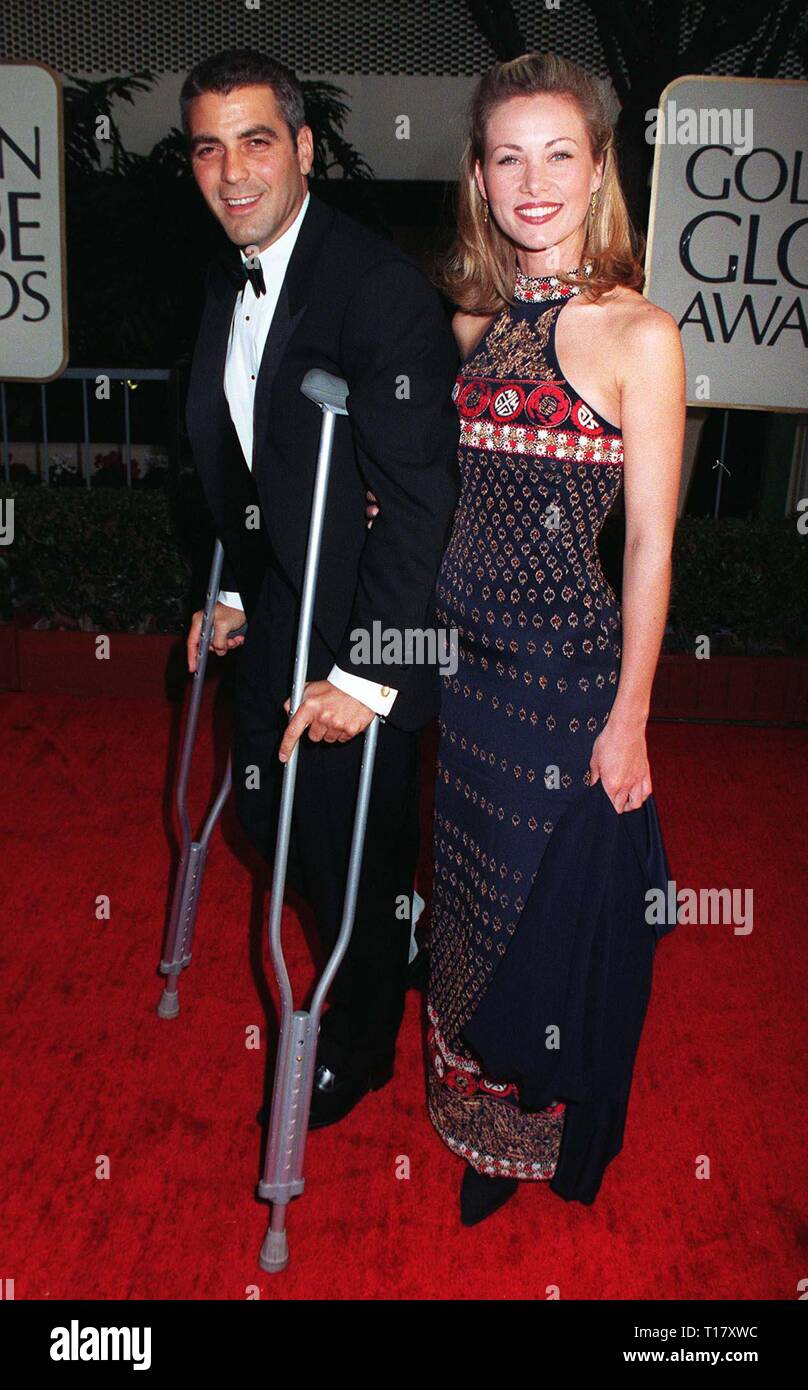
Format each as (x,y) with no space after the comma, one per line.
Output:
(592,204)
(485,210)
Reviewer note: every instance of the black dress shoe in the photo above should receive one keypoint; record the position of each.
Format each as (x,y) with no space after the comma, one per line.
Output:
(334,1094)
(481,1196)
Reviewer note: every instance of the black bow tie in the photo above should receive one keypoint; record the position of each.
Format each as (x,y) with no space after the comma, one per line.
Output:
(238,273)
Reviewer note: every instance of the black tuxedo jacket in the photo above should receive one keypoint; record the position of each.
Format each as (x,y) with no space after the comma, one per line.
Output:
(353,304)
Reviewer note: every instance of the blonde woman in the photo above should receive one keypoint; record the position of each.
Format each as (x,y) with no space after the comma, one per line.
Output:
(571,388)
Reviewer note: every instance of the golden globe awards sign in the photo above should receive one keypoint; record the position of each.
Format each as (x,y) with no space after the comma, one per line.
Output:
(33,318)
(728,236)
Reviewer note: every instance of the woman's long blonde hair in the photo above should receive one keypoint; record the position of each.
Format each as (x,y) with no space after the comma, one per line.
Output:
(479,271)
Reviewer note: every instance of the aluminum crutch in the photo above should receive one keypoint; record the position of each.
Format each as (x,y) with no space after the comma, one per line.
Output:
(297,1043)
(194,853)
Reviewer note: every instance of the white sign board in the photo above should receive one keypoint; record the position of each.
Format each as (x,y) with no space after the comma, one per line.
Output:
(728,237)
(33,316)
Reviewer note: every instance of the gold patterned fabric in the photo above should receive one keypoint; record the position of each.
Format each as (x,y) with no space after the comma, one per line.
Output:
(539,633)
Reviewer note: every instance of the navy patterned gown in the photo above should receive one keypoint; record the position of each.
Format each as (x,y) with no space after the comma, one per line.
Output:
(539,634)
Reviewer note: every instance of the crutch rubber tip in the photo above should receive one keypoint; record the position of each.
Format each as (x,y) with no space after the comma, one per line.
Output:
(274,1254)
(169,1005)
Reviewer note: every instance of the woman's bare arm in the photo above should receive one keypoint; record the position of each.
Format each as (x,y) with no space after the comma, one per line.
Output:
(652,422)
(468,330)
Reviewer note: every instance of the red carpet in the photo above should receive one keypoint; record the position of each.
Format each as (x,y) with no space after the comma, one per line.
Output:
(90,1074)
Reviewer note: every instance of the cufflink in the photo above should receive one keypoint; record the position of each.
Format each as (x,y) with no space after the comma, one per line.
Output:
(384,692)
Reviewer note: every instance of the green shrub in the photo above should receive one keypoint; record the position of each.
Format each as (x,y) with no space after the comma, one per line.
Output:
(743,581)
(113,560)
(108,560)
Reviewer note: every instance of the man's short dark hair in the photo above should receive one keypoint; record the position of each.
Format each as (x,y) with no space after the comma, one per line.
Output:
(245,67)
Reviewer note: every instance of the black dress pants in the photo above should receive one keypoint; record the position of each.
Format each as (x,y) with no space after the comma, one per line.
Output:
(366,1000)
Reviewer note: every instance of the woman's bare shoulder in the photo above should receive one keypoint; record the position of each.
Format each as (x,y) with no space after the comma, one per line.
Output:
(635,317)
(469,329)
(636,326)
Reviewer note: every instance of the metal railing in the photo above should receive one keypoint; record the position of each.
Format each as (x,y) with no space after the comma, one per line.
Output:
(130,376)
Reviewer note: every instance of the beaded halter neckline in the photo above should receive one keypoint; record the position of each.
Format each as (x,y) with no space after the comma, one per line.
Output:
(535,289)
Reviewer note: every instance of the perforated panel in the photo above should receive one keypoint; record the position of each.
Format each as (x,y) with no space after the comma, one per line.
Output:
(432,37)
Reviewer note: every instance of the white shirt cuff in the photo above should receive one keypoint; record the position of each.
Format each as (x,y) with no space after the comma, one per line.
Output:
(418,906)
(232,599)
(379,698)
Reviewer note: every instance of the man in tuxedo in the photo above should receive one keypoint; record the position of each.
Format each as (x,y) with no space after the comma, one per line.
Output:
(303,286)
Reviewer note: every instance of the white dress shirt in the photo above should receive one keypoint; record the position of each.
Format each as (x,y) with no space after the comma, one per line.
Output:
(252,318)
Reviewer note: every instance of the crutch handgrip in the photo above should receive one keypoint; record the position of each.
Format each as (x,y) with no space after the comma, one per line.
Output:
(326,390)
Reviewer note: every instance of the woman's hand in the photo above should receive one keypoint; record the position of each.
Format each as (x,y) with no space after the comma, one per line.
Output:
(620,759)
(371,510)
